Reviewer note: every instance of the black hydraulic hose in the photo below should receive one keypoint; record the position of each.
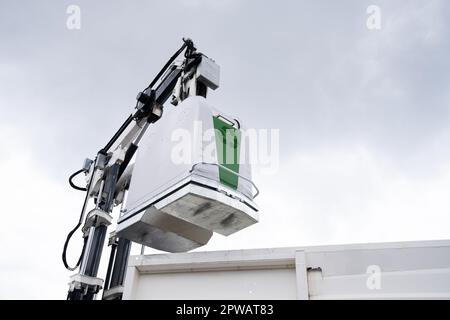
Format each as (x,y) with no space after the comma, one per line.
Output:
(118,133)
(64,254)
(168,63)
(80,221)
(128,156)
(186,43)
(73,185)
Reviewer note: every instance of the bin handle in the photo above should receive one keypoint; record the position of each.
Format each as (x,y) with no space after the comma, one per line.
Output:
(230,171)
(228,120)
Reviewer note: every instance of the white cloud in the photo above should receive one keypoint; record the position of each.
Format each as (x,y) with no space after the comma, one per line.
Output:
(351,194)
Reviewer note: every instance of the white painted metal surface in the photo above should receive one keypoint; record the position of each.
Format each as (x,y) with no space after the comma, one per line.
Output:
(177,194)
(171,147)
(403,270)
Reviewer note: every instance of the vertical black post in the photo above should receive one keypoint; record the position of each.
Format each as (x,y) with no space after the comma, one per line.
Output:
(118,262)
(110,265)
(95,252)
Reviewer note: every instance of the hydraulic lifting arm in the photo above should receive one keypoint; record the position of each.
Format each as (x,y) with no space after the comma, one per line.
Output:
(193,76)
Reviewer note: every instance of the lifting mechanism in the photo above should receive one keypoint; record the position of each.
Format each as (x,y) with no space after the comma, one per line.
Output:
(165,205)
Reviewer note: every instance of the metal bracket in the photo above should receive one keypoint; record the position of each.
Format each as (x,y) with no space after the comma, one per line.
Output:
(95,176)
(113,293)
(117,156)
(112,238)
(86,283)
(95,218)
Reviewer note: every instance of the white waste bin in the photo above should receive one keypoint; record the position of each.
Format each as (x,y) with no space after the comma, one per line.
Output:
(189,180)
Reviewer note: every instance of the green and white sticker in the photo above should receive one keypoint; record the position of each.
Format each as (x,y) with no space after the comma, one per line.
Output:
(228,141)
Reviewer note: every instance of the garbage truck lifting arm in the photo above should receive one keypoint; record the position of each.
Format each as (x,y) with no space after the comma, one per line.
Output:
(176,80)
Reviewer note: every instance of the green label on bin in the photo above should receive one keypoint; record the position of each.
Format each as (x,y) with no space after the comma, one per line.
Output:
(228,140)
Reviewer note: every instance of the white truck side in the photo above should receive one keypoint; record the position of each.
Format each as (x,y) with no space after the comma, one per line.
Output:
(402,270)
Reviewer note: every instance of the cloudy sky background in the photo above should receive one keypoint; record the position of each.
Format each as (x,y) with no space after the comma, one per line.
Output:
(364,116)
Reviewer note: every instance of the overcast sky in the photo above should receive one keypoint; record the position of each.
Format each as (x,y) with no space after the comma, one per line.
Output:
(364,116)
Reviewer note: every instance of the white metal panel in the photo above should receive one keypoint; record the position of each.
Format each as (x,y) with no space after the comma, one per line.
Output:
(407,270)
(245,284)
(301,274)
(161,163)
(356,261)
(419,284)
(155,170)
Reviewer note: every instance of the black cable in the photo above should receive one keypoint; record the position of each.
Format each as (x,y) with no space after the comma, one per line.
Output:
(65,250)
(190,52)
(73,185)
(64,257)
(186,43)
(118,133)
(80,220)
